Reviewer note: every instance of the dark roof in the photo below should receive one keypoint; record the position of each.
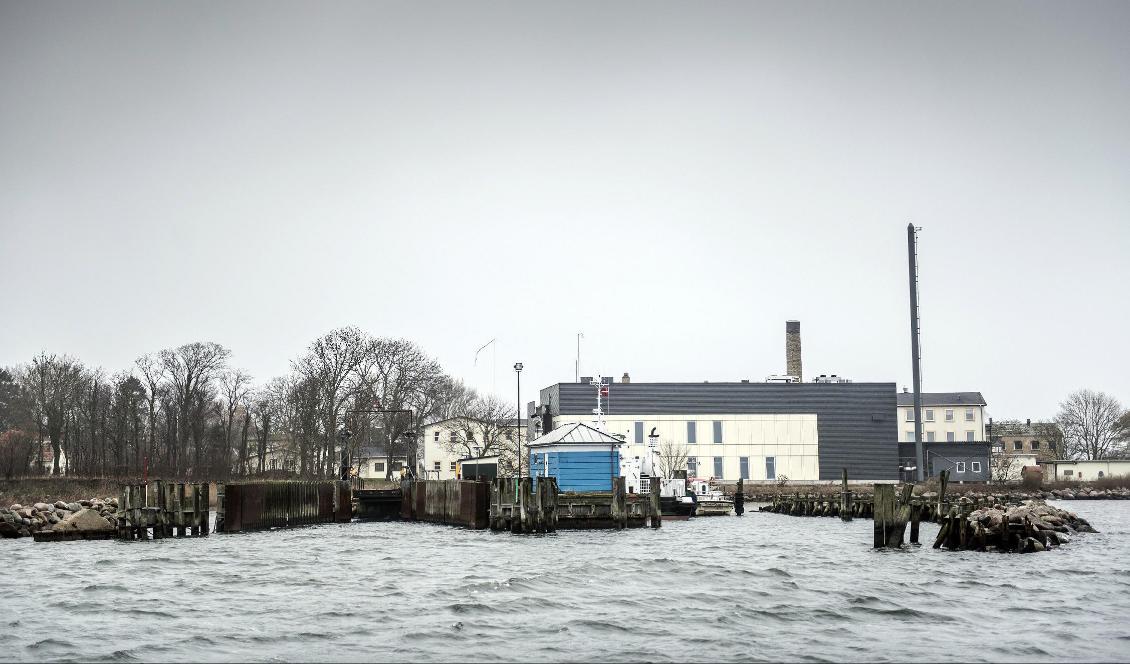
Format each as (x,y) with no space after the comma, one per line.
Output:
(943,399)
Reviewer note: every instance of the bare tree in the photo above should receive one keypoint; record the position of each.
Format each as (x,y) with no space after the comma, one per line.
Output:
(1089,421)
(484,427)
(331,367)
(55,385)
(152,376)
(672,457)
(190,370)
(234,388)
(1004,468)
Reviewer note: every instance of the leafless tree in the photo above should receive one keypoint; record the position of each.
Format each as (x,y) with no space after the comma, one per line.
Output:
(190,371)
(672,457)
(331,367)
(235,385)
(54,384)
(1004,468)
(483,427)
(1089,420)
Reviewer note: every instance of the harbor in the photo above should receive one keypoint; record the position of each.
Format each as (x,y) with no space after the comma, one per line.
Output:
(763,586)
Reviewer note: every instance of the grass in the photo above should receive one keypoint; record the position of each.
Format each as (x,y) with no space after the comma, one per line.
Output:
(32,490)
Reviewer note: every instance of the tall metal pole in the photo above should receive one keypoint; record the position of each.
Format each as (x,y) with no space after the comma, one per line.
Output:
(518,371)
(915,354)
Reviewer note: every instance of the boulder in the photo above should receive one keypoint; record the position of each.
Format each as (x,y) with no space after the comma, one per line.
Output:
(86,503)
(16,508)
(60,505)
(74,507)
(8,529)
(84,520)
(41,507)
(26,512)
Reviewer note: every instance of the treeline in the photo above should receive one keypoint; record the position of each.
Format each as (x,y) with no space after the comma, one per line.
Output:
(186,412)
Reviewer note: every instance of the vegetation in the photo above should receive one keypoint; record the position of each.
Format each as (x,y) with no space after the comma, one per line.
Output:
(187,413)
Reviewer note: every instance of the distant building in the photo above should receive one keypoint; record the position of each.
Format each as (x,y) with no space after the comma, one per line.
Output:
(373,462)
(1027,438)
(966,462)
(761,432)
(581,457)
(947,417)
(443,443)
(1069,471)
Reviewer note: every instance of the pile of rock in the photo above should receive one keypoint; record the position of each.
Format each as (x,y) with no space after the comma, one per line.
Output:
(21,521)
(1032,526)
(1087,493)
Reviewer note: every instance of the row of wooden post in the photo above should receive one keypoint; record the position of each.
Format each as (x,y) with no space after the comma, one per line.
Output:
(168,509)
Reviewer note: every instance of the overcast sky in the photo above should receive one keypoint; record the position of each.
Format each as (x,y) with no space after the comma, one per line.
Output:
(673,180)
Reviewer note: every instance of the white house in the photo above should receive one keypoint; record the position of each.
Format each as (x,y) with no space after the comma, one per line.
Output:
(1069,471)
(946,417)
(443,443)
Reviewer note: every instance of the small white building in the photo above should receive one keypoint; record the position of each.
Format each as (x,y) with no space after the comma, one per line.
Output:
(1070,471)
(443,443)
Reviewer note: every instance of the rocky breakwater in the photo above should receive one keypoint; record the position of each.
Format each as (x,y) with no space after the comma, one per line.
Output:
(1087,493)
(95,515)
(1030,527)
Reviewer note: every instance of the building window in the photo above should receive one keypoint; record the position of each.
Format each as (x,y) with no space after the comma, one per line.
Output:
(929,436)
(959,467)
(743,467)
(909,414)
(436,466)
(968,414)
(969,436)
(692,434)
(1035,444)
(718,468)
(975,466)
(454,437)
(929,414)
(1018,444)
(770,468)
(379,467)
(910,436)
(1067,473)
(453,466)
(692,467)
(949,415)
(717,431)
(397,465)
(436,436)
(950,436)
(639,433)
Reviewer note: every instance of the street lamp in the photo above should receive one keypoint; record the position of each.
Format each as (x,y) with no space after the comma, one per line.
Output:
(518,373)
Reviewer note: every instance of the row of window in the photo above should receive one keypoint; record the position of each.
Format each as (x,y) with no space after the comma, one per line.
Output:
(437,466)
(1019,444)
(928,414)
(692,432)
(974,466)
(743,467)
(453,436)
(951,437)
(379,466)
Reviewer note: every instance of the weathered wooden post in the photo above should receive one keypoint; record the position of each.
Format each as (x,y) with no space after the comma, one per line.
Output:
(884,514)
(845,497)
(915,516)
(943,479)
(739,498)
(656,509)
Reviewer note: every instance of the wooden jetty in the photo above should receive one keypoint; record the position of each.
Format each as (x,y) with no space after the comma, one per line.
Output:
(377,500)
(261,505)
(162,509)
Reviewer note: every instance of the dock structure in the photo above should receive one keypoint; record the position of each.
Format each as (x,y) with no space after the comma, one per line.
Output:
(452,502)
(261,505)
(522,506)
(162,509)
(377,500)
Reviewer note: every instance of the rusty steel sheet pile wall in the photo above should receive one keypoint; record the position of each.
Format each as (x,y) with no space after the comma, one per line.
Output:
(259,505)
(453,502)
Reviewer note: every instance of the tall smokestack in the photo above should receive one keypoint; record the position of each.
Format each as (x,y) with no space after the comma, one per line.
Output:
(792,349)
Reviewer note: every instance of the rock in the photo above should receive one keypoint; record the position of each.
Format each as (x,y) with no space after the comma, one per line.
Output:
(60,505)
(86,503)
(84,520)
(26,512)
(41,507)
(16,508)
(74,507)
(9,530)
(62,514)
(53,518)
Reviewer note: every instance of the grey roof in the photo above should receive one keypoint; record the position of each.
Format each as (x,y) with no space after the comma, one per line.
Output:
(943,399)
(577,433)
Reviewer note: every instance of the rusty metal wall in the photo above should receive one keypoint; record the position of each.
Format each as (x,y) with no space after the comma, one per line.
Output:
(258,505)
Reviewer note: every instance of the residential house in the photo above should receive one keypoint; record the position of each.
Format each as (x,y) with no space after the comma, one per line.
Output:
(444,442)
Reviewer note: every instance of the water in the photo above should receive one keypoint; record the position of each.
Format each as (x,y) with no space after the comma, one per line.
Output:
(760,587)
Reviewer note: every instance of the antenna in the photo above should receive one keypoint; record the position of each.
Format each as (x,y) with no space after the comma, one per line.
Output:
(915,350)
(493,369)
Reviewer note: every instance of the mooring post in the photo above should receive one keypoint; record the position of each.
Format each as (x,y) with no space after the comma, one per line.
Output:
(656,508)
(915,516)
(884,513)
(943,479)
(845,497)
(739,498)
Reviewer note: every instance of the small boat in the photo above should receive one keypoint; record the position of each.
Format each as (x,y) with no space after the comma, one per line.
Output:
(709,500)
(676,508)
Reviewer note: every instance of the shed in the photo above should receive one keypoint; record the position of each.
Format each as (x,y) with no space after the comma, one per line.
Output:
(483,468)
(581,457)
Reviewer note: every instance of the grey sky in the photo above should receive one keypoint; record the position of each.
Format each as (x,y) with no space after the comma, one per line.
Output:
(674,180)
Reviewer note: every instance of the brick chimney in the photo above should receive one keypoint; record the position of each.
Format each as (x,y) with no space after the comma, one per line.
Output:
(626,378)
(792,349)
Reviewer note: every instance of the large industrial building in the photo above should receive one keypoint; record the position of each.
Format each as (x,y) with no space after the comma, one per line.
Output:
(761,432)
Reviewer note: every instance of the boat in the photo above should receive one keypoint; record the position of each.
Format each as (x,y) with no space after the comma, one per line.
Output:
(710,501)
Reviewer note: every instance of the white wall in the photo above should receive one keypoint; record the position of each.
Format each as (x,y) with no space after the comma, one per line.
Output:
(1089,470)
(790,439)
(959,426)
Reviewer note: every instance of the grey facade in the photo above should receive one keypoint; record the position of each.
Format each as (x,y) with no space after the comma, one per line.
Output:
(967,462)
(856,422)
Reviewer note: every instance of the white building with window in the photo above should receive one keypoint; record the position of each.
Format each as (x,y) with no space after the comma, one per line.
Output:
(443,443)
(947,417)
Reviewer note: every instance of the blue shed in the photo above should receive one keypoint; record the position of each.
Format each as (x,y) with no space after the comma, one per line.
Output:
(580,457)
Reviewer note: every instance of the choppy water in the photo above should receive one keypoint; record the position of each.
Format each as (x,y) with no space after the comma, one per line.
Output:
(753,588)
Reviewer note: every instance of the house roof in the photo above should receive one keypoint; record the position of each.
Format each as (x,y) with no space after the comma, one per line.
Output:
(943,399)
(577,433)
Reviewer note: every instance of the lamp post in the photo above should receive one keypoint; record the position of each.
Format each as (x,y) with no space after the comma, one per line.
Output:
(518,373)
